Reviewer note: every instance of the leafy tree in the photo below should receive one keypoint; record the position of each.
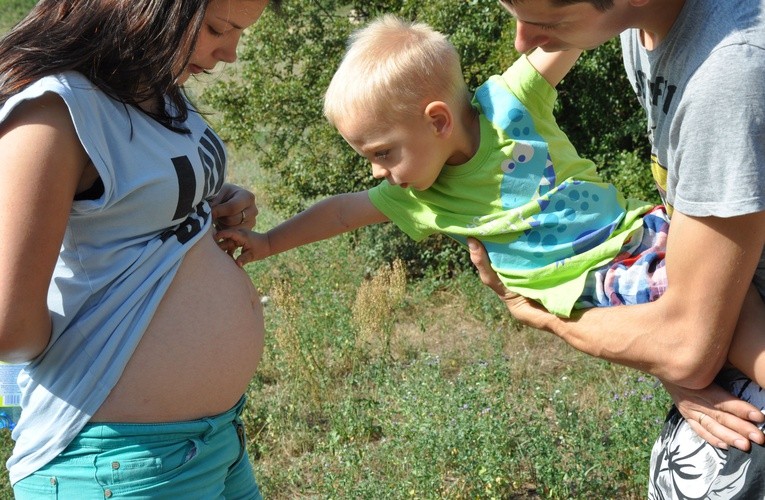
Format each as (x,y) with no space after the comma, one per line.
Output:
(287,61)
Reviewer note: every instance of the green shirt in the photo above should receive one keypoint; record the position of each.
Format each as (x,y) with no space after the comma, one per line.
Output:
(541,211)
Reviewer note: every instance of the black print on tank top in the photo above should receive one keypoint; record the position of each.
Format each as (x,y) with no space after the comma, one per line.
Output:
(212,158)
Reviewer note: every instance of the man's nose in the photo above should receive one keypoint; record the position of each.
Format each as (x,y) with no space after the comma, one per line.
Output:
(379,172)
(528,37)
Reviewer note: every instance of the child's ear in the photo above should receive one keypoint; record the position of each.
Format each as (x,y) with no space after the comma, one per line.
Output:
(441,118)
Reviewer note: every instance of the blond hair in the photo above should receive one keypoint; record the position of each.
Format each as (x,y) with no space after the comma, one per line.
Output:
(393,68)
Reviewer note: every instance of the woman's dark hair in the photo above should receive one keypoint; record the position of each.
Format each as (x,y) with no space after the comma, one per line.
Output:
(131,49)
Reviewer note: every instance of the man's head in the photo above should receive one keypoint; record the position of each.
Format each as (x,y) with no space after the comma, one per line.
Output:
(564,24)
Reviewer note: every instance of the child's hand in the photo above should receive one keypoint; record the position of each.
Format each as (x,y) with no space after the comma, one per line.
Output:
(255,246)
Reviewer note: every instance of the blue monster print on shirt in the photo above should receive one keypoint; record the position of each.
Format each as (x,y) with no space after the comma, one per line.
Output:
(569,218)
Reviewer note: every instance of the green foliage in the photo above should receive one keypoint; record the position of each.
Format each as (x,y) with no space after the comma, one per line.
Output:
(11,11)
(598,110)
(286,63)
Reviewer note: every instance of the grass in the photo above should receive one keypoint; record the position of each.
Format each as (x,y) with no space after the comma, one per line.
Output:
(372,387)
(375,387)
(11,11)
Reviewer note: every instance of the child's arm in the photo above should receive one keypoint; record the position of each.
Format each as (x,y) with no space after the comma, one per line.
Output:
(332,216)
(553,66)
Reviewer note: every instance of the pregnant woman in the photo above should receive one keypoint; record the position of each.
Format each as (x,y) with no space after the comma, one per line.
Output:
(142,335)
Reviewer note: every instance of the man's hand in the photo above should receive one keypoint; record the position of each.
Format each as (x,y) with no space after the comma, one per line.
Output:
(524,310)
(717,416)
(713,413)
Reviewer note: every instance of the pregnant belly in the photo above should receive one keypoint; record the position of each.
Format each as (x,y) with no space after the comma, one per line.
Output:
(201,349)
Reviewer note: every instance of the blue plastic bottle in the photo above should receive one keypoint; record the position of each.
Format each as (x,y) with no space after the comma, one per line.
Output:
(10,395)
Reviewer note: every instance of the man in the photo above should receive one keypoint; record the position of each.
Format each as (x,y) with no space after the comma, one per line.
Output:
(696,66)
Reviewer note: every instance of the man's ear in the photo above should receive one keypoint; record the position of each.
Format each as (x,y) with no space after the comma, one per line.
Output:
(441,118)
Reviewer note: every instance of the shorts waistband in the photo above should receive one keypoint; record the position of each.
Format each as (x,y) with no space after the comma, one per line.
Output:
(108,434)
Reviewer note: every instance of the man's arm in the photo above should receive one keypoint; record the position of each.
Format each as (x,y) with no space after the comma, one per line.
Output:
(684,336)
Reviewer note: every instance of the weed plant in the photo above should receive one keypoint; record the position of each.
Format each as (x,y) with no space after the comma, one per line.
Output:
(372,387)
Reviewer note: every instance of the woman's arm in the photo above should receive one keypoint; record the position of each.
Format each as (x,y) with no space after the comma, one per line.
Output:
(42,165)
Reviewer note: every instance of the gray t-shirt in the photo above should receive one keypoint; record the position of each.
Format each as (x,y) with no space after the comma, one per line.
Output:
(703,89)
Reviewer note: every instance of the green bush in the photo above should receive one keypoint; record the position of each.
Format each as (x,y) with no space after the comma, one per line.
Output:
(599,112)
(275,105)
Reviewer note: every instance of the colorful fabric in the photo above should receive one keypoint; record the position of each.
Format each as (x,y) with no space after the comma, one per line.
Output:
(543,214)
(638,274)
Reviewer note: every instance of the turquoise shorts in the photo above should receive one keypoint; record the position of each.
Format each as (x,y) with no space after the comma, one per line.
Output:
(205,459)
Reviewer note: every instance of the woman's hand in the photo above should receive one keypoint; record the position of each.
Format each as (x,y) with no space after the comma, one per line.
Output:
(234,208)
(717,416)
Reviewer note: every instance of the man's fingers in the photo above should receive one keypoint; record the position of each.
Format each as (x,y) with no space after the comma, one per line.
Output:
(711,438)
(480,259)
(725,425)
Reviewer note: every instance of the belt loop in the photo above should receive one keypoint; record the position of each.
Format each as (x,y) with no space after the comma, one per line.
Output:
(213,427)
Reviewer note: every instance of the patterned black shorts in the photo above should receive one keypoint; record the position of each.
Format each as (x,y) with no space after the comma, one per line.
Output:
(684,466)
